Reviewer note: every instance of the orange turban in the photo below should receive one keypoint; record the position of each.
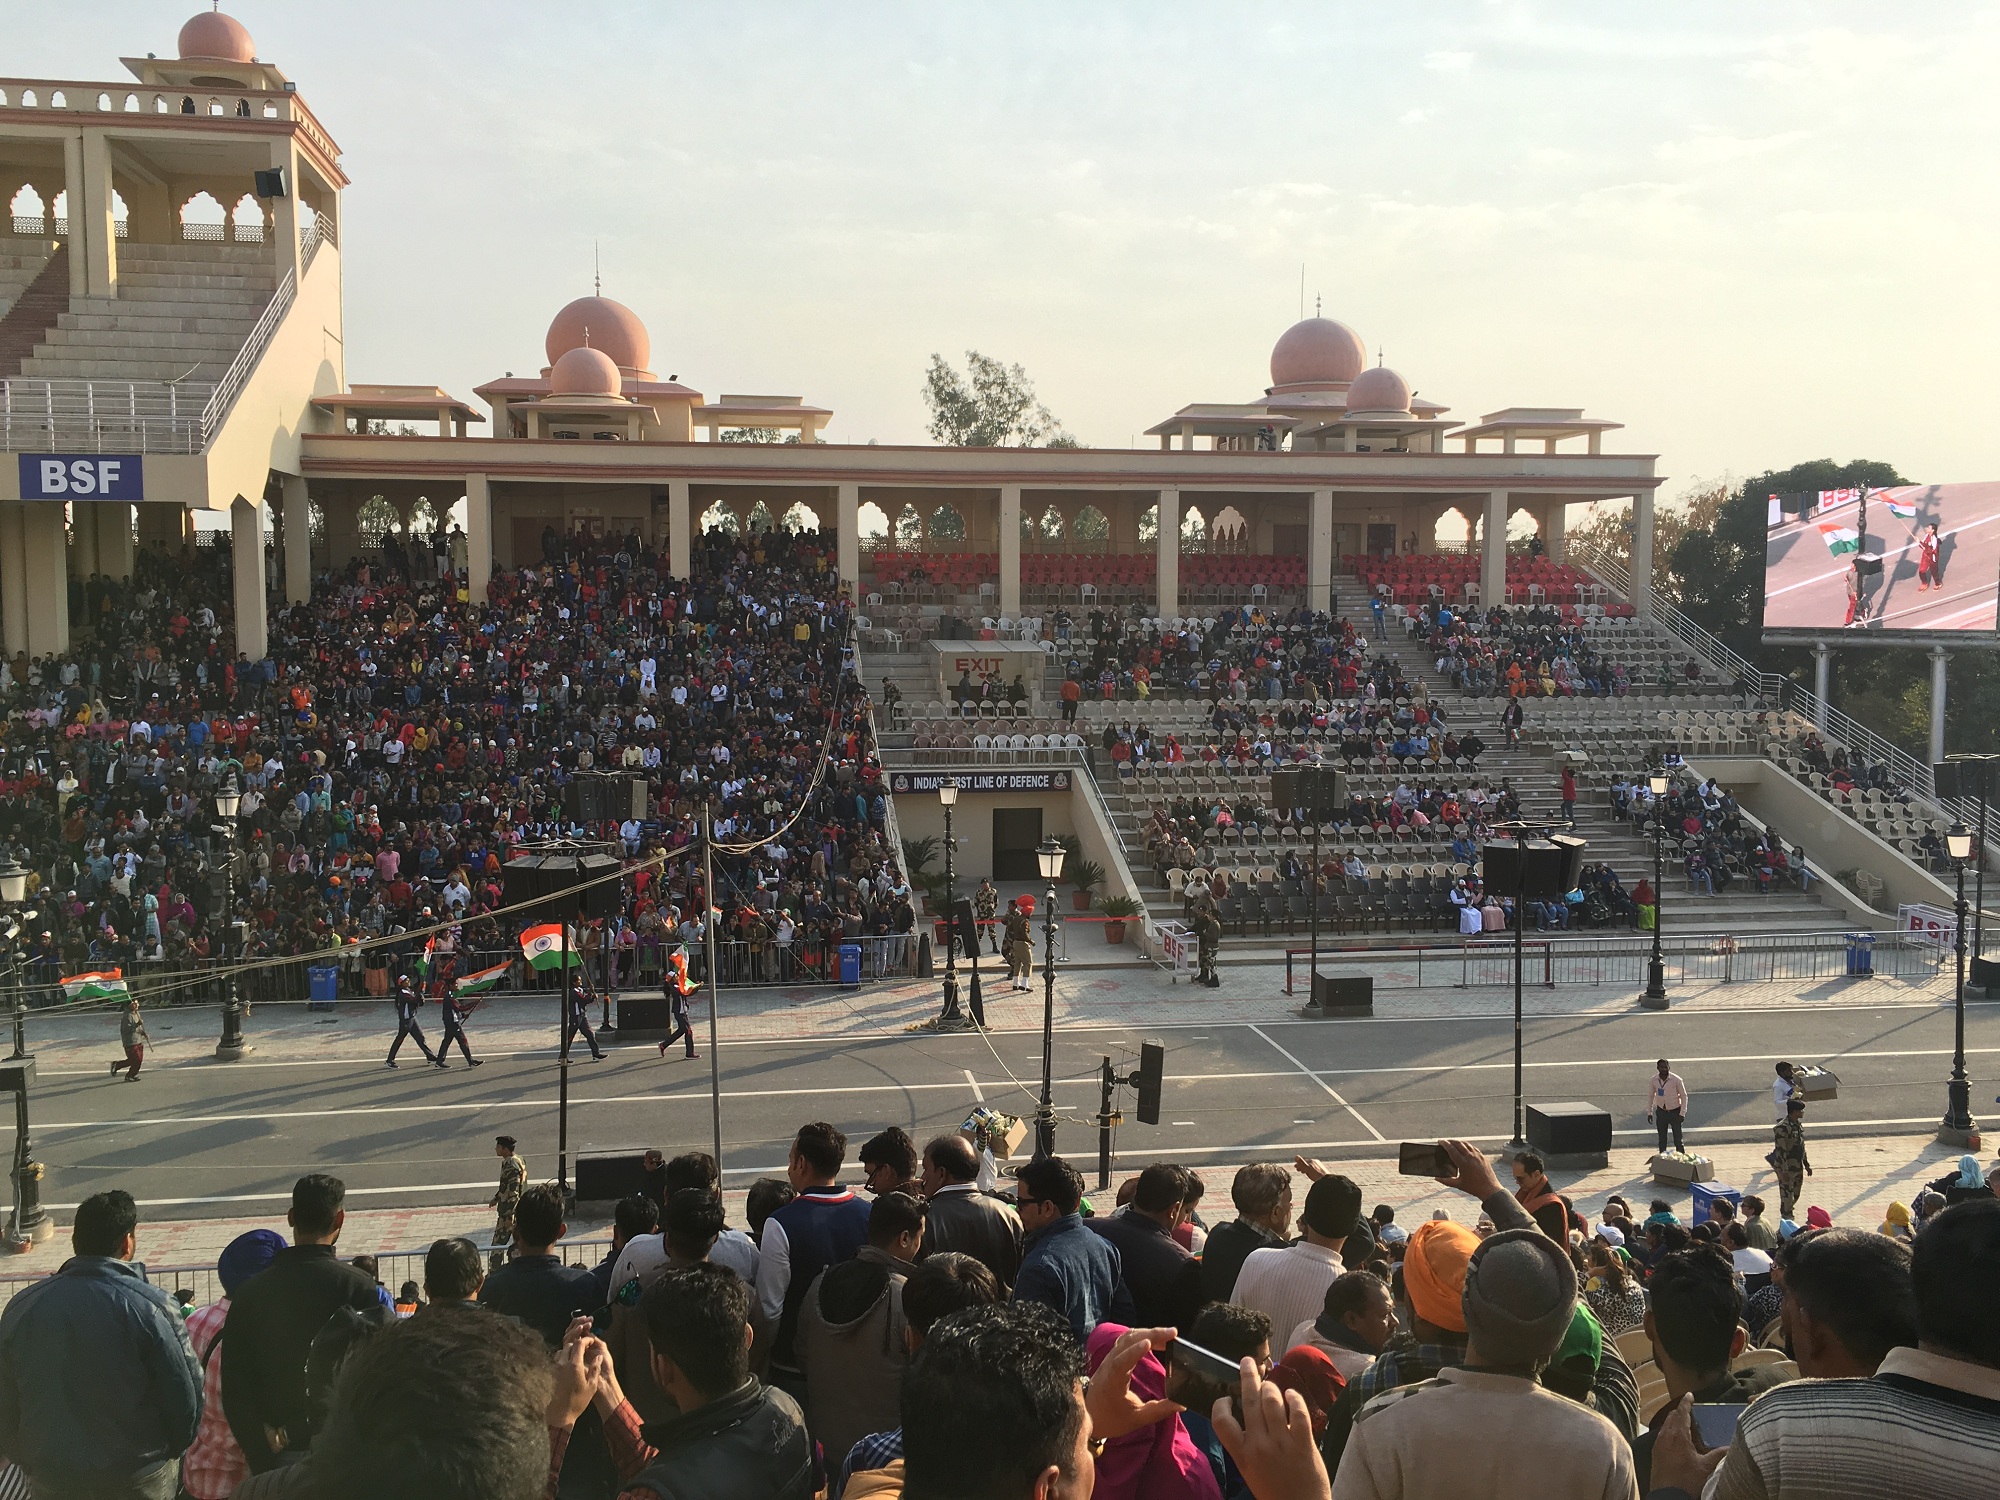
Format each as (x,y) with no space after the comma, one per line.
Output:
(1434,1272)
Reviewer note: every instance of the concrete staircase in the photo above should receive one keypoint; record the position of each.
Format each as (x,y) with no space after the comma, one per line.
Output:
(183,311)
(34,291)
(21,261)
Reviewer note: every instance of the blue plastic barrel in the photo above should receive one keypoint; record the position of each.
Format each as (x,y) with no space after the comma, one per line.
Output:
(324,980)
(850,963)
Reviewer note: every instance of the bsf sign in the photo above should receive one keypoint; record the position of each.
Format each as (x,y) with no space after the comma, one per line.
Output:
(82,476)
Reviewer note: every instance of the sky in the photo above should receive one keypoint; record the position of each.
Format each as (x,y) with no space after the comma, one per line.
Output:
(1741,229)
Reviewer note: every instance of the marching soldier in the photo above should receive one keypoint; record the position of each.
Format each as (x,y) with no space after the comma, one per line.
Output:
(677,988)
(455,1008)
(513,1179)
(579,1017)
(1208,937)
(407,1001)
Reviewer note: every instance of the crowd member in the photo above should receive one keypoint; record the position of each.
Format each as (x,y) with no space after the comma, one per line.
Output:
(272,1322)
(1163,1279)
(213,1465)
(453,1273)
(1289,1285)
(1612,1290)
(631,1217)
(691,1171)
(940,1285)
(823,1225)
(850,1340)
(536,1286)
(343,1333)
(962,1218)
(1063,1265)
(1849,1299)
(1552,1210)
(889,1163)
(1262,1193)
(1355,1323)
(100,1391)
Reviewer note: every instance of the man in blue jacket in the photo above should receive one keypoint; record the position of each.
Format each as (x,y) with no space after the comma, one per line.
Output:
(99,1389)
(1064,1265)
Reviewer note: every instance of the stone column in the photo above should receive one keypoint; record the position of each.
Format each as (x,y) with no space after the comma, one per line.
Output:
(1553,529)
(13,577)
(1010,550)
(1642,554)
(114,539)
(1822,684)
(45,579)
(1319,551)
(92,233)
(847,504)
(1168,563)
(478,537)
(163,526)
(680,528)
(281,215)
(1940,660)
(82,547)
(73,187)
(246,556)
(296,519)
(1493,552)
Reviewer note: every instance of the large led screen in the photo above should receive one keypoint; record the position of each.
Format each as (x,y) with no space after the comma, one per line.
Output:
(1918,557)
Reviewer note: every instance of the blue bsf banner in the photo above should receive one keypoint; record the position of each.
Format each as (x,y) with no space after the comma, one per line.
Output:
(82,476)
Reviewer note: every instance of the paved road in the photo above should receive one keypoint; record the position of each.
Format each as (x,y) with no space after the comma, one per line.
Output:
(210,1139)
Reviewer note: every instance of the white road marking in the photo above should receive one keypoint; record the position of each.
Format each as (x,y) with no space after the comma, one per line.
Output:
(1322,1083)
(978,1093)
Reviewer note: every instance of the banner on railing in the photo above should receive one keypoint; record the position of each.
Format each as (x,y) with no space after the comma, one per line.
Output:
(1930,924)
(78,476)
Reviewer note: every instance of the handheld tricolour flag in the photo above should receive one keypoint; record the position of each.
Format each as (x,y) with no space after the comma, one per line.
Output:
(422,968)
(1903,510)
(1840,540)
(543,947)
(677,971)
(99,984)
(482,981)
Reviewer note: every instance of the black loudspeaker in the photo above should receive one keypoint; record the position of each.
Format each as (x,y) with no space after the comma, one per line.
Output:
(17,1075)
(1337,995)
(1534,869)
(644,1020)
(1983,972)
(1151,1074)
(520,879)
(1964,778)
(270,183)
(609,1177)
(1867,566)
(1575,1129)
(1321,791)
(603,901)
(961,924)
(592,798)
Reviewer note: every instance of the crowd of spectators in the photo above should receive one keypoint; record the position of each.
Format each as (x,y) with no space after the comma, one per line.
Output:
(1527,653)
(398,741)
(1712,842)
(929,1338)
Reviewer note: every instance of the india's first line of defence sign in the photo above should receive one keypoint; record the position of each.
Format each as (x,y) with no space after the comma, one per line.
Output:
(82,476)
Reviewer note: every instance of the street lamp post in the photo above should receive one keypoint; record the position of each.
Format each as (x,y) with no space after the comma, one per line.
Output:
(1958,1128)
(951,1018)
(1050,855)
(228,802)
(31,1222)
(1655,997)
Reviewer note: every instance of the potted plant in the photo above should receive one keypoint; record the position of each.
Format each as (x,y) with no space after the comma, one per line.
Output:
(917,855)
(1118,910)
(1086,875)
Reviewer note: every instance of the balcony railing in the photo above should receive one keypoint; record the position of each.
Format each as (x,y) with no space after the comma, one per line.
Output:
(136,105)
(102,416)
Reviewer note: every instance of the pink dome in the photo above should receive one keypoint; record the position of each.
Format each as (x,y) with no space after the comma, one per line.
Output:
(214,35)
(585,372)
(605,325)
(1317,351)
(1379,390)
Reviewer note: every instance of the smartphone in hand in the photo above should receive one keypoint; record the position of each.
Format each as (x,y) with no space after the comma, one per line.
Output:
(1423,1159)
(1715,1425)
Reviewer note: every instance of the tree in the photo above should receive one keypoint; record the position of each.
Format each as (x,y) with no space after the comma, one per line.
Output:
(755,435)
(991,406)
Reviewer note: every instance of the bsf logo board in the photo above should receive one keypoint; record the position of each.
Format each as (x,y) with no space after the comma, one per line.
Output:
(82,476)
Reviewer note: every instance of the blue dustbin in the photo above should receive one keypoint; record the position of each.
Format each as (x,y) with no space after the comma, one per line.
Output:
(1860,954)
(850,963)
(1705,1193)
(324,980)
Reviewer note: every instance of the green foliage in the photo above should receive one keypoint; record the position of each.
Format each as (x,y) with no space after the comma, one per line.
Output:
(1084,874)
(755,435)
(991,406)
(918,854)
(1118,906)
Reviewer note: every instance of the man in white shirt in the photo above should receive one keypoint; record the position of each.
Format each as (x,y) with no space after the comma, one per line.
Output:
(1782,1089)
(1289,1286)
(1666,1104)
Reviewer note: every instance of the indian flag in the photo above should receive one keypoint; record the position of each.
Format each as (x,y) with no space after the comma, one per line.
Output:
(543,947)
(99,984)
(1840,540)
(423,965)
(1902,509)
(484,980)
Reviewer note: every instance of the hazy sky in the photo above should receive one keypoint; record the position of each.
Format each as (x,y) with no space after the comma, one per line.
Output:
(1755,233)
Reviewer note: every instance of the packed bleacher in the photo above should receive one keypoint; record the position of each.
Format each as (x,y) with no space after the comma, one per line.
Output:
(950,1332)
(398,742)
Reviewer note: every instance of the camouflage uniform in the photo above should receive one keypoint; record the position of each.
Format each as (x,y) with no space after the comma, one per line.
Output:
(986,906)
(513,1178)
(1208,937)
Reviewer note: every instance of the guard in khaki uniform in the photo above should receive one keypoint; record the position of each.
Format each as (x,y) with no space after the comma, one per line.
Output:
(1020,950)
(1208,938)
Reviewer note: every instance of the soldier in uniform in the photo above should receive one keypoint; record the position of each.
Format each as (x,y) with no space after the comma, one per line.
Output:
(407,1001)
(579,1017)
(1020,950)
(677,988)
(513,1179)
(1208,937)
(454,1009)
(986,906)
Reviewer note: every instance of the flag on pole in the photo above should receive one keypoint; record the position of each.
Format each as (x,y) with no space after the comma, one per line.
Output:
(482,981)
(1840,540)
(677,967)
(1902,509)
(542,946)
(422,967)
(98,984)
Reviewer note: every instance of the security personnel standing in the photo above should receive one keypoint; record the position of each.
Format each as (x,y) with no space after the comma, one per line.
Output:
(985,908)
(513,1180)
(407,1001)
(1020,948)
(1208,937)
(579,1017)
